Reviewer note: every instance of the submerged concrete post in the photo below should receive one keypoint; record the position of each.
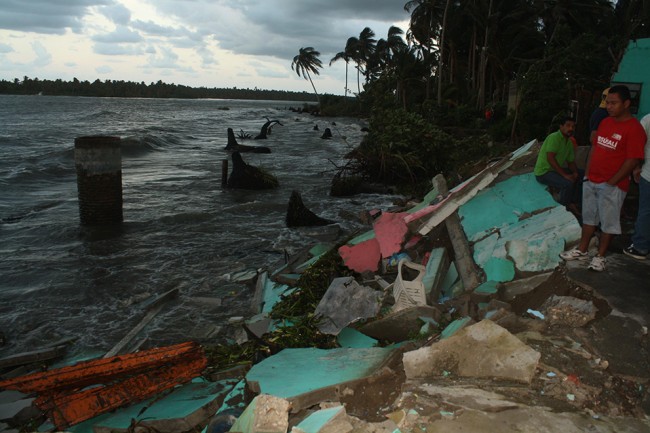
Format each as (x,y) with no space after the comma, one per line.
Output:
(98,160)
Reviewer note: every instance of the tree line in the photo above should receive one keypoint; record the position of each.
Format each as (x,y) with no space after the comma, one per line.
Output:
(129,89)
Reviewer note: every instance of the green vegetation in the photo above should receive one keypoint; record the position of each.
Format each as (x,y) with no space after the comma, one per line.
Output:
(524,61)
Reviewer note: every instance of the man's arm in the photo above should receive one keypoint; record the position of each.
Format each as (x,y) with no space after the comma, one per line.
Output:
(550,157)
(625,170)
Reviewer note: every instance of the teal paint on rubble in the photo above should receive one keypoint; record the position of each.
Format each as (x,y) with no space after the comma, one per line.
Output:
(317,420)
(530,245)
(497,269)
(488,288)
(351,338)
(432,268)
(370,234)
(503,204)
(292,372)
(181,402)
(450,278)
(272,292)
(454,327)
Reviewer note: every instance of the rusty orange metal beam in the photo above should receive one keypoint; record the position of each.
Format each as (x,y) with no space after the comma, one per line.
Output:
(97,371)
(66,409)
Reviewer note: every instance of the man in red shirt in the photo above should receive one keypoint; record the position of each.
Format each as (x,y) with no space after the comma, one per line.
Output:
(617,149)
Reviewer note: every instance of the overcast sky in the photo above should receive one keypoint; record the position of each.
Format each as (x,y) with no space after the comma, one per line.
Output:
(211,43)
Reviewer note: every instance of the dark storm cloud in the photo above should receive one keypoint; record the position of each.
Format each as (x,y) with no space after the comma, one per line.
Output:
(323,24)
(278,27)
(45,16)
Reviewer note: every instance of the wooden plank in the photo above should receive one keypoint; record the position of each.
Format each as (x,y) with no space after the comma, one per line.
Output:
(99,370)
(467,269)
(154,309)
(33,356)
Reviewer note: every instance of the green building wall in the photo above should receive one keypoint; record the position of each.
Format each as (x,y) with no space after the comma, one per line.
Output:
(634,70)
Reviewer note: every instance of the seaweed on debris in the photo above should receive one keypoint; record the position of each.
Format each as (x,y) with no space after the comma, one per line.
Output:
(311,286)
(295,313)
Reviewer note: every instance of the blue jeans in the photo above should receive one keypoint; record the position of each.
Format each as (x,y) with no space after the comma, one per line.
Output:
(641,236)
(570,192)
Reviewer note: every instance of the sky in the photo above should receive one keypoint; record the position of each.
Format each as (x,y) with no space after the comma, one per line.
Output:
(209,43)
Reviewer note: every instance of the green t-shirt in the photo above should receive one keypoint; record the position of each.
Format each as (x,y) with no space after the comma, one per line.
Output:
(558,144)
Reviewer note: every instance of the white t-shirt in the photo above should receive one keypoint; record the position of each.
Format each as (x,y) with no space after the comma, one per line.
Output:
(645,170)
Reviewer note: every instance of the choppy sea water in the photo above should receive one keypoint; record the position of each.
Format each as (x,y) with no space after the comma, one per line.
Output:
(181,230)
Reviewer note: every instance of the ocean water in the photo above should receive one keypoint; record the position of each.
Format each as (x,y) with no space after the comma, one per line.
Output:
(181,230)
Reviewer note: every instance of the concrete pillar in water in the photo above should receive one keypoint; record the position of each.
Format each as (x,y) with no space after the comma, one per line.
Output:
(99,179)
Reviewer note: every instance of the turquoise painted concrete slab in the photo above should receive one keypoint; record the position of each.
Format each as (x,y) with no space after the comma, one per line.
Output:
(317,420)
(488,288)
(183,401)
(432,268)
(450,278)
(530,245)
(497,269)
(292,372)
(351,338)
(503,204)
(454,327)
(272,292)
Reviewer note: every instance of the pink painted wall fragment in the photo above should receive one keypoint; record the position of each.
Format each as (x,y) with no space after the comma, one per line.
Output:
(361,257)
(390,230)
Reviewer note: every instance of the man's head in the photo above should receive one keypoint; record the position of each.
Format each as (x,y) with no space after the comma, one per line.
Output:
(618,101)
(567,126)
(603,97)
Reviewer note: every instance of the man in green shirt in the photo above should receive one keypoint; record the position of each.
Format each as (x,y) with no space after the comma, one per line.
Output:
(556,165)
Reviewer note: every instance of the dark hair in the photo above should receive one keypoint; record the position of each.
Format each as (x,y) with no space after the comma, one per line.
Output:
(622,91)
(564,119)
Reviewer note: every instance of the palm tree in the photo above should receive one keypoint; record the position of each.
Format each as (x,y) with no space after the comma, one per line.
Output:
(346,55)
(305,62)
(365,49)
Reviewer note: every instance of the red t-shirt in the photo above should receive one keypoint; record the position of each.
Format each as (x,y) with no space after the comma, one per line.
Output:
(615,142)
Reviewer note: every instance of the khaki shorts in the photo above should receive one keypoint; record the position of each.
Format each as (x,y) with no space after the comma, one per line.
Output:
(601,204)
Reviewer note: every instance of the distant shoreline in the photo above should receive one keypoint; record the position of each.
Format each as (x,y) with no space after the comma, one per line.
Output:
(130,89)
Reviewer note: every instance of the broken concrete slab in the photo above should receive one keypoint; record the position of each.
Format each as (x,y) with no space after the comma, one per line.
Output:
(568,311)
(265,414)
(401,325)
(345,302)
(508,201)
(186,408)
(329,420)
(299,374)
(530,245)
(624,284)
(456,326)
(510,290)
(435,273)
(350,337)
(268,293)
(481,350)
(486,291)
(533,419)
